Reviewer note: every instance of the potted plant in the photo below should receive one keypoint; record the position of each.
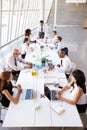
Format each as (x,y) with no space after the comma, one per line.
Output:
(42,47)
(43,61)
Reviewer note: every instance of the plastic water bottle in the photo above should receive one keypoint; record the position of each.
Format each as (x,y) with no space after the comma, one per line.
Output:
(34,70)
(46,66)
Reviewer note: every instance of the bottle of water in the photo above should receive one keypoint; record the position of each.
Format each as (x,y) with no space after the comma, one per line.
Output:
(34,70)
(46,65)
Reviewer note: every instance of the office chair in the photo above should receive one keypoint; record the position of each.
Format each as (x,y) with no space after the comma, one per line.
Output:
(1,121)
(1,108)
(73,67)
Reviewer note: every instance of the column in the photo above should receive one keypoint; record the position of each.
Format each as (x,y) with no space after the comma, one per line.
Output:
(55,13)
(0,19)
(42,9)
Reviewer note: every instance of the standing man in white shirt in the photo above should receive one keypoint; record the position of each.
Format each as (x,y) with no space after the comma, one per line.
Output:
(41,30)
(13,66)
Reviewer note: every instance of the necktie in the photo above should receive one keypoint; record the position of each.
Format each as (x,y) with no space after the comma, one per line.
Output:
(56,45)
(41,28)
(15,61)
(61,63)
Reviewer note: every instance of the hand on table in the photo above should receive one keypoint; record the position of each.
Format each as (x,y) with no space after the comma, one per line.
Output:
(58,65)
(19,88)
(29,65)
(31,49)
(59,92)
(59,97)
(51,67)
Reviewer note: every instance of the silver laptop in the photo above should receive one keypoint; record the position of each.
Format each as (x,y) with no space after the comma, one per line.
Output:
(27,94)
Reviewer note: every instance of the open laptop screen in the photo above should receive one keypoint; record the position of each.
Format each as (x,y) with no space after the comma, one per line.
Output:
(27,94)
(50,94)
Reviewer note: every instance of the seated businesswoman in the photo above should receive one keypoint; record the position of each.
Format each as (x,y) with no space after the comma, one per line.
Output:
(28,34)
(78,93)
(6,89)
(25,47)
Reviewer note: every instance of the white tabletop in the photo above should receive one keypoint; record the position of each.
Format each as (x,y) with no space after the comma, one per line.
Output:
(24,113)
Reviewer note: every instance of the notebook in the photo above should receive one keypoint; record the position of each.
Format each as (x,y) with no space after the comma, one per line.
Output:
(57,108)
(27,94)
(51,80)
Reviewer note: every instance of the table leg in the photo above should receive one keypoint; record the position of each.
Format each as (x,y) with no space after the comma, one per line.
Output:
(21,128)
(63,128)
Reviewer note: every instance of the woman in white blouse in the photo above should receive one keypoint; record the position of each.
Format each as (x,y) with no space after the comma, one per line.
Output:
(25,47)
(78,93)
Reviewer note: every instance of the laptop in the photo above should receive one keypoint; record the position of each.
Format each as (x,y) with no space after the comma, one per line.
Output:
(50,94)
(27,94)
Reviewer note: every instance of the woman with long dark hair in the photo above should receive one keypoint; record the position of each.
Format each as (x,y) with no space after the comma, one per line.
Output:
(78,93)
(6,89)
(28,34)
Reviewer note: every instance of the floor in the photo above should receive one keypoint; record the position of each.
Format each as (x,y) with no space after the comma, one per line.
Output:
(75,39)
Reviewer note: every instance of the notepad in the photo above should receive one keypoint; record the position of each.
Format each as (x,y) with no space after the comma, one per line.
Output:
(57,108)
(37,106)
(51,79)
(27,94)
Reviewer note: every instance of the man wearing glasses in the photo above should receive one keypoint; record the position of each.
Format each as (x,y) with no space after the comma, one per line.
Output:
(13,63)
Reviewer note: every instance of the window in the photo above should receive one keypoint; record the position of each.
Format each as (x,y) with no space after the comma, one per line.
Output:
(17,15)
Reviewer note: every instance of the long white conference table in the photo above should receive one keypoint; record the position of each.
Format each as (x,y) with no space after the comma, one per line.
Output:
(24,113)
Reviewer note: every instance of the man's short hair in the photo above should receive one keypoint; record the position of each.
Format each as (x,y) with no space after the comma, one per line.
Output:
(41,21)
(27,31)
(54,32)
(59,38)
(63,49)
(15,50)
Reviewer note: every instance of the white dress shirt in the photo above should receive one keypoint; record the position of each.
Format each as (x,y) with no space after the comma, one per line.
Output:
(54,39)
(66,64)
(10,63)
(39,29)
(24,48)
(58,46)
